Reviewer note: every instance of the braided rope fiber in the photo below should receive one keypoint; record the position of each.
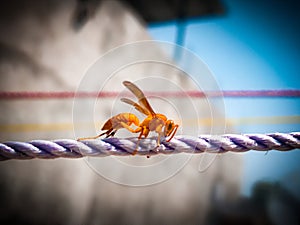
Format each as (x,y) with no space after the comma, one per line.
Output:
(68,148)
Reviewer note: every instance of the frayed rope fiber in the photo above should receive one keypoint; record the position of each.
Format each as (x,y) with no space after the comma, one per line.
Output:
(68,148)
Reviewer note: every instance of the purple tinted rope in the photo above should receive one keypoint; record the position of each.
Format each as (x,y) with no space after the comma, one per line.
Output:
(68,148)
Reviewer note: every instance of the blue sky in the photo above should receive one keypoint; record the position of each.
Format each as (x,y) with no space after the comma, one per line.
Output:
(254,46)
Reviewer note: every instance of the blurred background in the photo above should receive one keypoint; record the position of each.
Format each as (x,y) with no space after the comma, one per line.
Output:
(248,45)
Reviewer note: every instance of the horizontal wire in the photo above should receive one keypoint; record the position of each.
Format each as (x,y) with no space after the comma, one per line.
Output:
(36,127)
(68,148)
(109,94)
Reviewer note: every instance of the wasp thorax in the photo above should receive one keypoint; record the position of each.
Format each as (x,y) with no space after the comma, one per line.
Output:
(156,124)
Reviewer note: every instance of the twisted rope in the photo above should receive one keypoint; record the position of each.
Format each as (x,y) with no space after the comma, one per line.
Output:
(68,148)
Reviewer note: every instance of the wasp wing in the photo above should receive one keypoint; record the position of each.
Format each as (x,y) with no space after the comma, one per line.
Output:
(140,96)
(136,106)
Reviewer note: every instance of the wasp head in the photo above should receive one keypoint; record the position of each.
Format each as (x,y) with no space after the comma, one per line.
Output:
(170,129)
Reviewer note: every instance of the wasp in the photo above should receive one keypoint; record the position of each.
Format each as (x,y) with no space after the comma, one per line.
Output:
(156,122)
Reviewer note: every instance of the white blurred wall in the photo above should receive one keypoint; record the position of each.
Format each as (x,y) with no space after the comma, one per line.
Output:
(42,51)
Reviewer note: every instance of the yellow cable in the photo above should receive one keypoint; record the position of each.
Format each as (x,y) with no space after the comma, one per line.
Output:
(16,128)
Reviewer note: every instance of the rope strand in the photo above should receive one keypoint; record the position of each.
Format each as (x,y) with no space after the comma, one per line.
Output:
(67,148)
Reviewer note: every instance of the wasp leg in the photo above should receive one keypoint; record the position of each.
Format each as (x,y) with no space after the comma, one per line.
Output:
(111,134)
(158,130)
(95,137)
(139,129)
(144,132)
(124,125)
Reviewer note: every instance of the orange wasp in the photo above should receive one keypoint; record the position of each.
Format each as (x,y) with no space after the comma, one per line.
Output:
(154,122)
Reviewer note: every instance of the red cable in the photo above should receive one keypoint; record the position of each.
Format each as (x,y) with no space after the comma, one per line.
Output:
(195,94)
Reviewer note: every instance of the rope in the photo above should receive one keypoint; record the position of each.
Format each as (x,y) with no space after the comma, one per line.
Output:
(68,148)
(109,94)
